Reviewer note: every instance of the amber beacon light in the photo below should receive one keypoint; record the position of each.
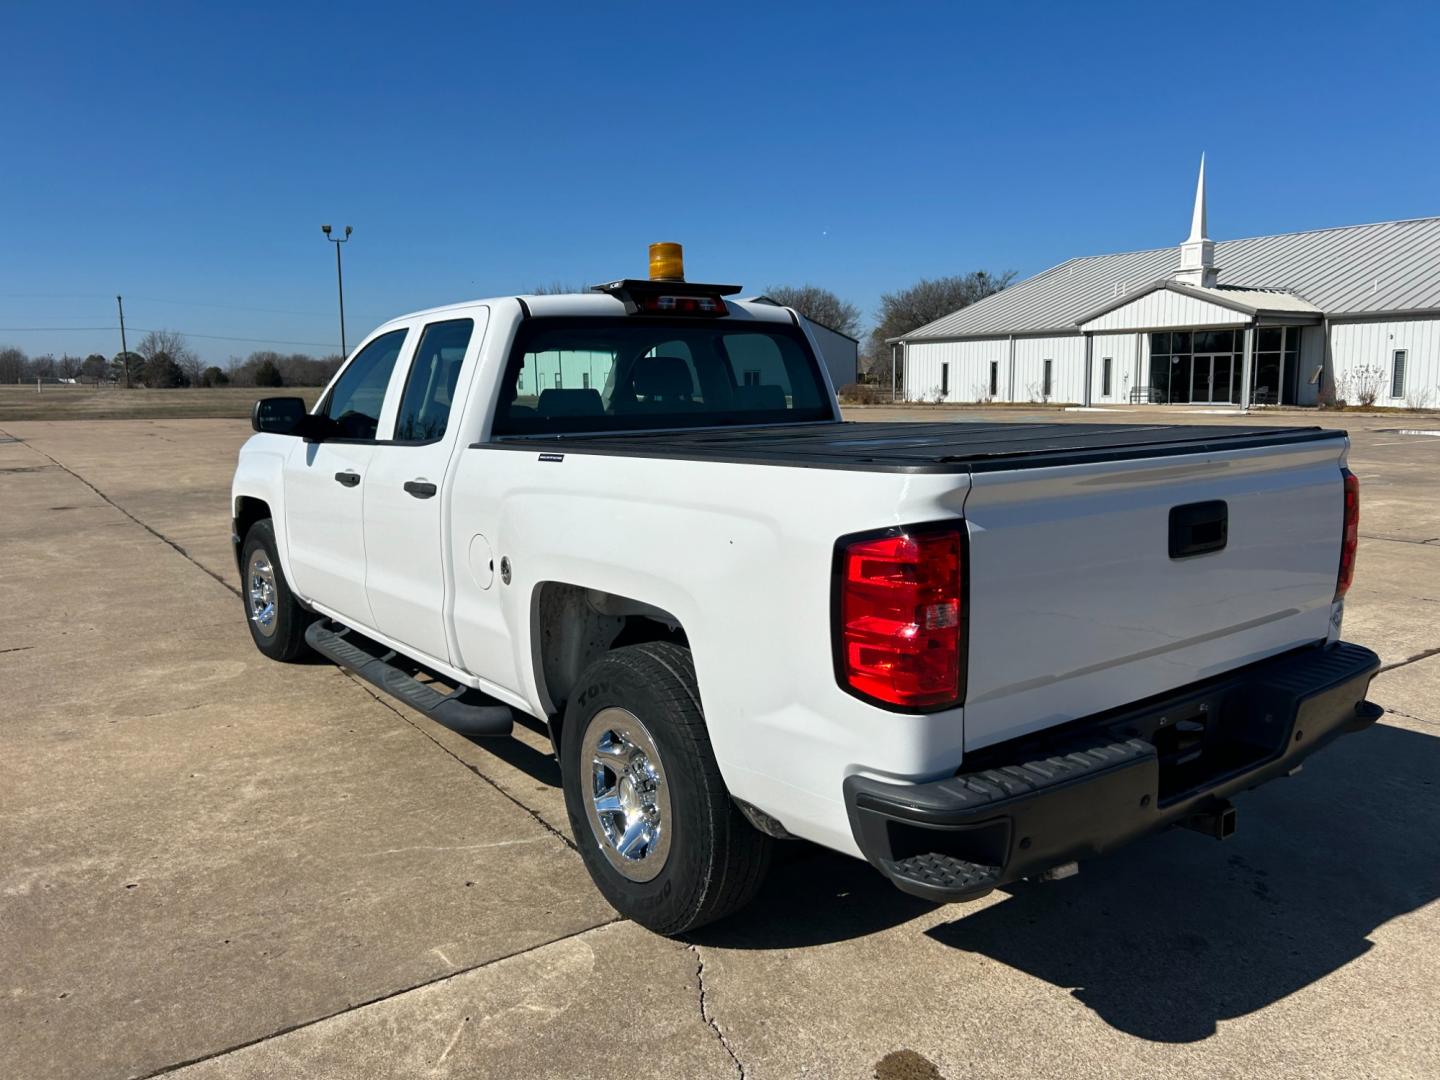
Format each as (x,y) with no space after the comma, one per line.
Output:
(667,262)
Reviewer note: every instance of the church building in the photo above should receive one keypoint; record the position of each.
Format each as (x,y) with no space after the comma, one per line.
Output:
(1298,318)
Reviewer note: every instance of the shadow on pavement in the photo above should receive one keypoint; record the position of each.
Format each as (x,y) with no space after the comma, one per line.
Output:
(1178,933)
(540,766)
(814,897)
(1168,937)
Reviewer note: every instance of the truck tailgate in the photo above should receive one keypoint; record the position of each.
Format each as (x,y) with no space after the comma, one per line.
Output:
(1076,604)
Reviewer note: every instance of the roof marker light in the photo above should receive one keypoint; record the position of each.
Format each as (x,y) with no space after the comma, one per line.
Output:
(667,262)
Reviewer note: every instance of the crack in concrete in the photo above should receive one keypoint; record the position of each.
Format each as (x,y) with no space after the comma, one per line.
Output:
(18,648)
(1399,540)
(1409,660)
(152,531)
(706,1015)
(1410,716)
(379,998)
(535,814)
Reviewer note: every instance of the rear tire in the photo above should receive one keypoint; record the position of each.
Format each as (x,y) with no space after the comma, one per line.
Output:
(638,769)
(277,621)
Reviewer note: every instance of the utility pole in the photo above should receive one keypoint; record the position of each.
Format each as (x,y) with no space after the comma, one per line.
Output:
(124,349)
(339,280)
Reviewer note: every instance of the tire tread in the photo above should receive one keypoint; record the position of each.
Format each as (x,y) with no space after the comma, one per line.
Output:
(739,853)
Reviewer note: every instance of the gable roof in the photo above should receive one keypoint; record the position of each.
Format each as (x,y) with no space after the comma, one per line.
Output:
(1246,301)
(1389,266)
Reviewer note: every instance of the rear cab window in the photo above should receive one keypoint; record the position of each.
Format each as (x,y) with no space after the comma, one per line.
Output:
(429,391)
(570,375)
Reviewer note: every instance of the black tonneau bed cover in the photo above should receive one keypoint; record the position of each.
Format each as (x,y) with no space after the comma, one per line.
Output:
(963,446)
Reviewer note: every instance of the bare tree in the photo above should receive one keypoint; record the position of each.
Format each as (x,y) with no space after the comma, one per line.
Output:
(818,305)
(555,288)
(13,365)
(95,368)
(68,366)
(173,344)
(163,373)
(924,302)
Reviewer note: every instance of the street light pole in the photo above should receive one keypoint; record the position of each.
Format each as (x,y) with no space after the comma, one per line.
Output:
(339,279)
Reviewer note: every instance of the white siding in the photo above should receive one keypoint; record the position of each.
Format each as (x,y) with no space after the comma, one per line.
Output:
(969,369)
(1121,350)
(1165,308)
(969,363)
(1068,383)
(1373,344)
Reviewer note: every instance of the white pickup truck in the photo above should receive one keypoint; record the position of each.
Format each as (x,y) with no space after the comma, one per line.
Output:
(968,652)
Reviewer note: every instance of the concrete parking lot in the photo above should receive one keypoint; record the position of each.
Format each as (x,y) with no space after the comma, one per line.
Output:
(215,866)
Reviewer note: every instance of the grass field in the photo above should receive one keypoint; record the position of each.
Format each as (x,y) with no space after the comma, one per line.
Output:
(116,403)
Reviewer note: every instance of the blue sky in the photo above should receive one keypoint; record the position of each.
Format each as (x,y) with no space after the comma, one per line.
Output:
(187,155)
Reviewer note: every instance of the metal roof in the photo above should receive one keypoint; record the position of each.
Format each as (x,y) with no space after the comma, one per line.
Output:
(1391,266)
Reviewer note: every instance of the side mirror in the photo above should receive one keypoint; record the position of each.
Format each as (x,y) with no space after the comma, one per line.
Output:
(278,415)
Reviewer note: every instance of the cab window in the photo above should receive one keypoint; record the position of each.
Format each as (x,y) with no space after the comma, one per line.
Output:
(430,388)
(570,375)
(354,401)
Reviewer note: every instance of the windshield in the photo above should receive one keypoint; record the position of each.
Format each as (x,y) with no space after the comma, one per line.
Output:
(569,375)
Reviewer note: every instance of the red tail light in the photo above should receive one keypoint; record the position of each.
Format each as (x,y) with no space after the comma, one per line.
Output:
(1350,538)
(900,619)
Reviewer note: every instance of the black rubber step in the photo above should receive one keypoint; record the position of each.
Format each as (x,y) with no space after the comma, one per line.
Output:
(464,710)
(931,874)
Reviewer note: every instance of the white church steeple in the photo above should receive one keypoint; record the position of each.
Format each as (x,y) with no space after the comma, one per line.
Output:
(1197,254)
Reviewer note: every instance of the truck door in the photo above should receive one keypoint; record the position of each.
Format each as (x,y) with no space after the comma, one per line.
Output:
(325,486)
(405,500)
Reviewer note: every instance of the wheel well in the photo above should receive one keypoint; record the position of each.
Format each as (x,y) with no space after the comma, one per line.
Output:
(574,626)
(248,511)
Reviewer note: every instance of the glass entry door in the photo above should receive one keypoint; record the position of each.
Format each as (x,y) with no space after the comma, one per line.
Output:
(1212,379)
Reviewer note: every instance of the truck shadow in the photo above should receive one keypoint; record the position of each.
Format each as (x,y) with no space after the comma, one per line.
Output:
(1165,939)
(536,764)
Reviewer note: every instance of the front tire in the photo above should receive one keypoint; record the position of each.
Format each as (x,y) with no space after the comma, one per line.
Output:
(659,833)
(277,621)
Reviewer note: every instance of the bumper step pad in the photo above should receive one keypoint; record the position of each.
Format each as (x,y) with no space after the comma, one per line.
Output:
(464,710)
(945,872)
(1101,782)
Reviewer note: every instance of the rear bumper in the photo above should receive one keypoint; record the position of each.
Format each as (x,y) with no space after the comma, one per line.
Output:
(1032,804)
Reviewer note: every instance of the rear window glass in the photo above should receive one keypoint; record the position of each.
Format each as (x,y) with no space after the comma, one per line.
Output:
(612,374)
(430,387)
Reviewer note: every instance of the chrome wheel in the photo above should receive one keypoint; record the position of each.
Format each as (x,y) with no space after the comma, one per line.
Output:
(260,587)
(627,801)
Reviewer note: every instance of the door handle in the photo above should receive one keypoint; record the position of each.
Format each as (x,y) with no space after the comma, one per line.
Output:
(349,479)
(421,489)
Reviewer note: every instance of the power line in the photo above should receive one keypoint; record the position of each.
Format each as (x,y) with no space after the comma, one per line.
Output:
(150,330)
(249,340)
(165,300)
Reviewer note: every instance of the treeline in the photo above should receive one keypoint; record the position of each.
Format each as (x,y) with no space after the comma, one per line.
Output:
(899,312)
(266,368)
(163,359)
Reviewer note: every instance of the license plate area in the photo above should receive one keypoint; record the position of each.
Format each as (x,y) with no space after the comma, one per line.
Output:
(1203,739)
